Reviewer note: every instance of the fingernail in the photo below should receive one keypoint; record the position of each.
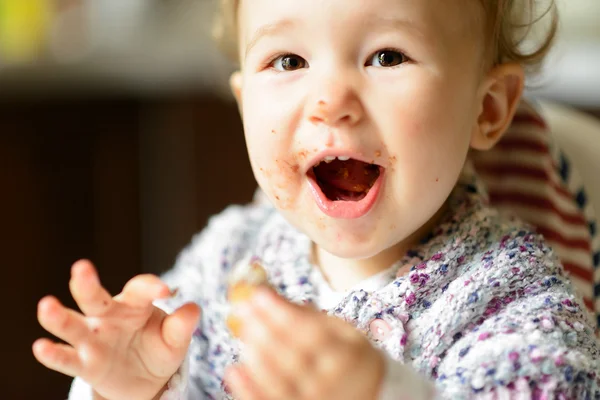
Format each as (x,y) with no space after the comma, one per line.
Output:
(76,269)
(93,277)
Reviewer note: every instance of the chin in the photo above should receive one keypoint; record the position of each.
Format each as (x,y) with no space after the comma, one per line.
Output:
(347,246)
(352,252)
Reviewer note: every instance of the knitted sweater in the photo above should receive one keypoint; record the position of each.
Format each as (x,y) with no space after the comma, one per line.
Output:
(485,312)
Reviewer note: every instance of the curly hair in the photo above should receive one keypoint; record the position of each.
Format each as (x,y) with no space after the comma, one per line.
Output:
(509,26)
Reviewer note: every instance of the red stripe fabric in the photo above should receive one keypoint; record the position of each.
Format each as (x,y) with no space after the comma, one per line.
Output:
(505,198)
(506,170)
(589,303)
(529,118)
(579,271)
(516,143)
(553,236)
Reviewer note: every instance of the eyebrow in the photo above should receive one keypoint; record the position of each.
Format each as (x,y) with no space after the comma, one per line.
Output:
(392,23)
(267,30)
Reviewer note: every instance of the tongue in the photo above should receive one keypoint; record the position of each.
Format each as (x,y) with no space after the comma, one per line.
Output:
(346,180)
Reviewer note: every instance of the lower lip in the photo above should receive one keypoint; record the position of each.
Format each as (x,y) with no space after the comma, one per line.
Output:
(346,209)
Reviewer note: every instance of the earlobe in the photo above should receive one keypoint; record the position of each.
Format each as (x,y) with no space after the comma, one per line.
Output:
(501,93)
(235,83)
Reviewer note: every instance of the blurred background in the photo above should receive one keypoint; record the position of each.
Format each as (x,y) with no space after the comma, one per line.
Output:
(118,139)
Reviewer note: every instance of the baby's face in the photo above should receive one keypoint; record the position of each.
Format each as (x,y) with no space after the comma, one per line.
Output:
(388,87)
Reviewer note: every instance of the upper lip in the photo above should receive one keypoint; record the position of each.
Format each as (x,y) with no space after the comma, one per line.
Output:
(320,156)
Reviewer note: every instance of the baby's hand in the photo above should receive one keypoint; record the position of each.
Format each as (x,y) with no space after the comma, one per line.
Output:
(124,347)
(297,353)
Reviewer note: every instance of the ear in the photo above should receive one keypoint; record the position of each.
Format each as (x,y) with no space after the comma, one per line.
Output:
(500,95)
(235,82)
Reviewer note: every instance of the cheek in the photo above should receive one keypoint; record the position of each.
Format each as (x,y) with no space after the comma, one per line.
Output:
(435,111)
(276,172)
(428,134)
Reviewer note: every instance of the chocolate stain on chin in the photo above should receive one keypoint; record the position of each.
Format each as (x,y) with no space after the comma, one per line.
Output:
(378,153)
(283,202)
(293,167)
(302,154)
(321,224)
(265,172)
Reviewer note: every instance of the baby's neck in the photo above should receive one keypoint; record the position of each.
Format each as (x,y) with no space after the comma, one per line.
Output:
(343,274)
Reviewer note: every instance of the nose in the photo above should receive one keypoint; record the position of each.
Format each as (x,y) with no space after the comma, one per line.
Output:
(335,101)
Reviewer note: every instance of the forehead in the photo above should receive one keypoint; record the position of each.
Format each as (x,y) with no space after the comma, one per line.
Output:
(450,19)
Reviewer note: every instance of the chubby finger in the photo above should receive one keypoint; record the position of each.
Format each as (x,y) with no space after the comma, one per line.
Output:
(90,296)
(142,290)
(177,329)
(60,321)
(58,357)
(302,327)
(242,387)
(284,355)
(274,366)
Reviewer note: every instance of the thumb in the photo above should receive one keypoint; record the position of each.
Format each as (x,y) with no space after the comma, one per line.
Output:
(177,328)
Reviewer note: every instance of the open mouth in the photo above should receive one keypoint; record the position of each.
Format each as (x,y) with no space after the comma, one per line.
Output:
(345,179)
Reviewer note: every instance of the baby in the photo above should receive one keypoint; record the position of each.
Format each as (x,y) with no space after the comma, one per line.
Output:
(390,276)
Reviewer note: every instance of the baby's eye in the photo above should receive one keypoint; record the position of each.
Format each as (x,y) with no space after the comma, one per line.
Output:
(387,58)
(288,62)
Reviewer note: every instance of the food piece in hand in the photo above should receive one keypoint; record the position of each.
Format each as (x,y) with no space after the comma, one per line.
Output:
(246,278)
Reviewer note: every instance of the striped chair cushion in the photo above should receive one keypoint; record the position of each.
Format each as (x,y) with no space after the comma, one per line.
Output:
(527,175)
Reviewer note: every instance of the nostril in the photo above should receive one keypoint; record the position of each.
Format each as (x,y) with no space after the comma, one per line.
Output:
(328,112)
(317,119)
(322,119)
(346,118)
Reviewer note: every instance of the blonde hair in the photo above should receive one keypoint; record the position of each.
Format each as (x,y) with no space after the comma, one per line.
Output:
(509,25)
